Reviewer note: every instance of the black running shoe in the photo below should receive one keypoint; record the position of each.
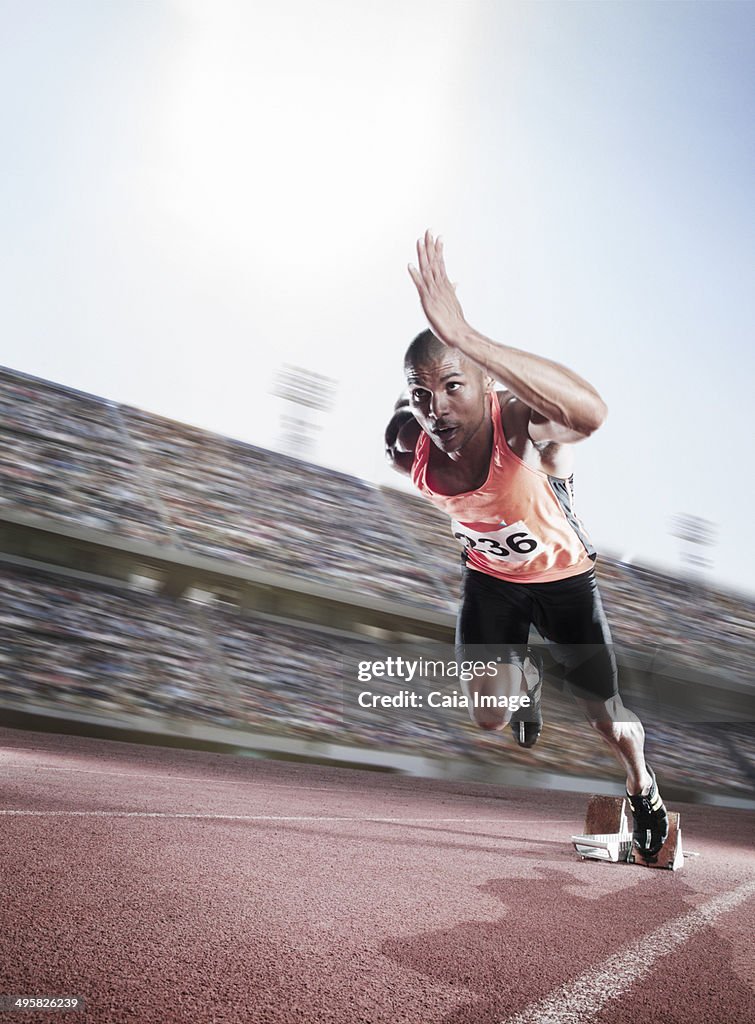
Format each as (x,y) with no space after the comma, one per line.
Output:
(527,723)
(650,820)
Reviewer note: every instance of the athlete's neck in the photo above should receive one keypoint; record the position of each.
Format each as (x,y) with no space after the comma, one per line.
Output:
(479,447)
(466,469)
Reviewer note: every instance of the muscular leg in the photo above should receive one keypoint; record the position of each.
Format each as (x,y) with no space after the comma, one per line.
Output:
(623,732)
(493,625)
(570,614)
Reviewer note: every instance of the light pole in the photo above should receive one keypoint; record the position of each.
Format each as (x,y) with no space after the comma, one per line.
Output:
(306,395)
(698,537)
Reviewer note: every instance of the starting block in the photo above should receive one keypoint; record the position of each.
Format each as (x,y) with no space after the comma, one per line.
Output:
(608,836)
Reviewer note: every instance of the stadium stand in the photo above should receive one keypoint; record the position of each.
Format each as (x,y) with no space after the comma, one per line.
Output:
(236,501)
(63,455)
(86,646)
(89,645)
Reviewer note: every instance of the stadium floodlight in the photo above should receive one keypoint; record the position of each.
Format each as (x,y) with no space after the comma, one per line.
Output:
(697,536)
(305,388)
(306,395)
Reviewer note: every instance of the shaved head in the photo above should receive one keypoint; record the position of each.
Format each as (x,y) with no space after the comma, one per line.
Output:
(425,349)
(448,393)
(428,350)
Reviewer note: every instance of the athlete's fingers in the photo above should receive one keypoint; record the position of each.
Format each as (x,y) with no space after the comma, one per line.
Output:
(432,258)
(423,259)
(441,263)
(416,277)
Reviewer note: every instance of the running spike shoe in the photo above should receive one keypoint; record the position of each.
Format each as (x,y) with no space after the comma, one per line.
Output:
(650,820)
(527,723)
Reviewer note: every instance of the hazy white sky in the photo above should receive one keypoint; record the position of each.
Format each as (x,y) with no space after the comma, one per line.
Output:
(196,192)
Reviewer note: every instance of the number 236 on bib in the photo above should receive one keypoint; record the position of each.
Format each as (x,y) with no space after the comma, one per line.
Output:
(514,543)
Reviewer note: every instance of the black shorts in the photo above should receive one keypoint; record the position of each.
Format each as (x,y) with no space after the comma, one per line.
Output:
(494,622)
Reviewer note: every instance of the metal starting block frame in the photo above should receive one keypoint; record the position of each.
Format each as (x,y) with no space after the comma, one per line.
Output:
(608,836)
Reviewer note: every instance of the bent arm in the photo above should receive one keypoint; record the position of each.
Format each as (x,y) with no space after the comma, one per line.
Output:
(401,436)
(565,407)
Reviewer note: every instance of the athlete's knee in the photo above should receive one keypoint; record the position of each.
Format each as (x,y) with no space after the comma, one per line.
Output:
(489,719)
(489,726)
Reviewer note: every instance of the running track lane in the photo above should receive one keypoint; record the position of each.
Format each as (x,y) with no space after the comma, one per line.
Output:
(165,885)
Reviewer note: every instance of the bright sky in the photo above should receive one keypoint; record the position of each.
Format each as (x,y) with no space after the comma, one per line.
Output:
(194,193)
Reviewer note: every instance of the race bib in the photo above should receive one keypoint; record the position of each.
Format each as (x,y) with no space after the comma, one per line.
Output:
(512,543)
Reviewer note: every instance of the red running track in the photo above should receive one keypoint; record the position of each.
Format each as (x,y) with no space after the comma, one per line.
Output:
(162,885)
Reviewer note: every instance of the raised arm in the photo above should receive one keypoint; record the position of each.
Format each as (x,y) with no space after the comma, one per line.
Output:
(565,408)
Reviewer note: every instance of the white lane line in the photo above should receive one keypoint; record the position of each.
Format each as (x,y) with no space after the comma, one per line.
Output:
(13,812)
(581,1000)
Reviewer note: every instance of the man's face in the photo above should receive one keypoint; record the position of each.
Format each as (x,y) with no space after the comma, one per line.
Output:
(448,399)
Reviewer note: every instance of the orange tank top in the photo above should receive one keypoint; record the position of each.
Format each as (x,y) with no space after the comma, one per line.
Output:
(520,525)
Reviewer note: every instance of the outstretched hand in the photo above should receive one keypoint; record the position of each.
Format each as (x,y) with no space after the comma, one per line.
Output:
(436,293)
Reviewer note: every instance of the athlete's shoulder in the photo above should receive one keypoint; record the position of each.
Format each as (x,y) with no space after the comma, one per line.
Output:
(517,420)
(513,409)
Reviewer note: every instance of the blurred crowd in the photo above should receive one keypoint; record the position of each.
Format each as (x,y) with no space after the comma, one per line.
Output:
(90,647)
(64,455)
(80,459)
(76,457)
